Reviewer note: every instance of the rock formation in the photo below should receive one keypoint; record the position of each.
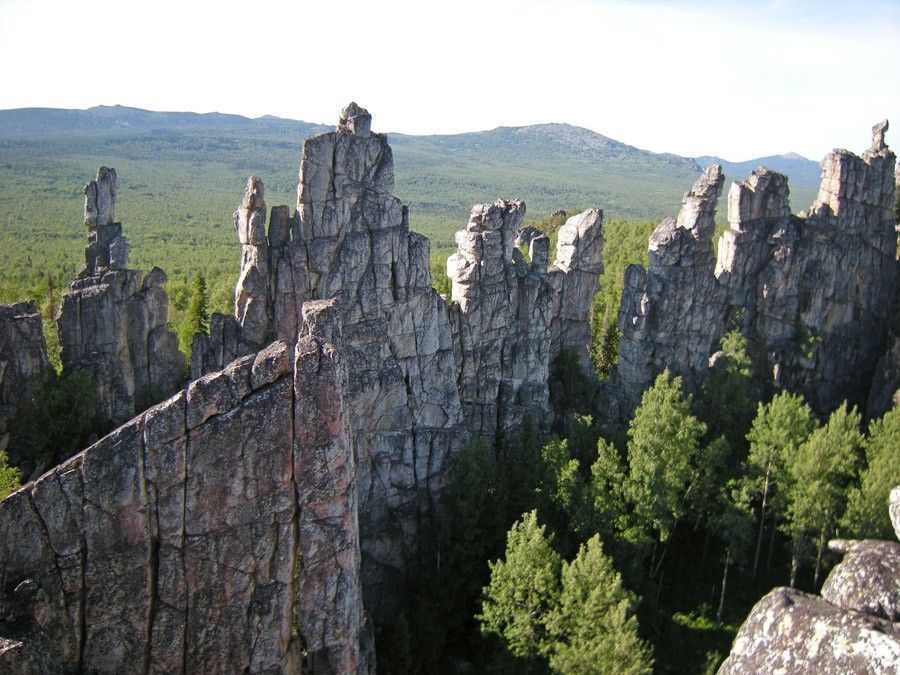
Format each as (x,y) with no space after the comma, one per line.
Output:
(112,324)
(23,359)
(349,240)
(852,628)
(511,318)
(816,290)
(214,532)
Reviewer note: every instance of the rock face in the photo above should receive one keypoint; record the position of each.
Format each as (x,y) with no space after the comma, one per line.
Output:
(511,318)
(23,359)
(815,290)
(895,510)
(349,240)
(214,532)
(852,628)
(112,324)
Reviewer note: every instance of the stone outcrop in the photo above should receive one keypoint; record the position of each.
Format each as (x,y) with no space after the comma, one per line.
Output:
(575,276)
(214,532)
(511,318)
(349,240)
(112,324)
(792,632)
(852,628)
(23,359)
(815,290)
(868,578)
(260,520)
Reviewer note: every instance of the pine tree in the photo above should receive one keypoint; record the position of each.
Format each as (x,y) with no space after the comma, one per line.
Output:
(778,431)
(523,590)
(867,512)
(733,524)
(198,309)
(727,401)
(663,442)
(607,490)
(820,474)
(197,318)
(593,628)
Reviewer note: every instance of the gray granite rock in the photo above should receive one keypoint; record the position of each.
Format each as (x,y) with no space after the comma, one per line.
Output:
(217,532)
(672,315)
(510,318)
(575,275)
(852,628)
(867,580)
(112,323)
(792,632)
(895,510)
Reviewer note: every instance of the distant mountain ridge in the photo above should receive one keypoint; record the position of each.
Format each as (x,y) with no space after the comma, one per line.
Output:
(552,138)
(801,172)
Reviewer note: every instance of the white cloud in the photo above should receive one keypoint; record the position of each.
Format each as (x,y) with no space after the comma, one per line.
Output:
(690,78)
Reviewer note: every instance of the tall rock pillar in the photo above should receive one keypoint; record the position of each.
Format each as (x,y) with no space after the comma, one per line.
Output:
(112,324)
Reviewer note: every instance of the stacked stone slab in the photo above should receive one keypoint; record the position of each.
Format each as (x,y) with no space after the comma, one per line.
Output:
(112,324)
(511,318)
(854,627)
(23,359)
(815,290)
(215,532)
(265,296)
(575,276)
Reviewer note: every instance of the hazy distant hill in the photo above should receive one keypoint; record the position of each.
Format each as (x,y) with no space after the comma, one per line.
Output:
(802,172)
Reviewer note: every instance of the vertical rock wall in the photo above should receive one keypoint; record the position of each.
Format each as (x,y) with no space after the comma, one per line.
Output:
(672,314)
(355,246)
(112,324)
(349,240)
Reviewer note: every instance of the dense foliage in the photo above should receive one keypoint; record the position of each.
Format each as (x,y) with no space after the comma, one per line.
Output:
(9,476)
(594,551)
(53,423)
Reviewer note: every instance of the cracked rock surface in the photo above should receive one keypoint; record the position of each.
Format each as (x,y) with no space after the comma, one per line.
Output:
(23,359)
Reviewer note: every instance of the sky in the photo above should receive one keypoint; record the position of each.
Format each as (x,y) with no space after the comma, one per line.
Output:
(735,78)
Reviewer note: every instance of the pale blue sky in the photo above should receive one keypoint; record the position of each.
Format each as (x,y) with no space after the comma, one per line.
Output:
(738,79)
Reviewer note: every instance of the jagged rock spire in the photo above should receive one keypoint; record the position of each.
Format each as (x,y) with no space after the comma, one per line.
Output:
(106,247)
(112,324)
